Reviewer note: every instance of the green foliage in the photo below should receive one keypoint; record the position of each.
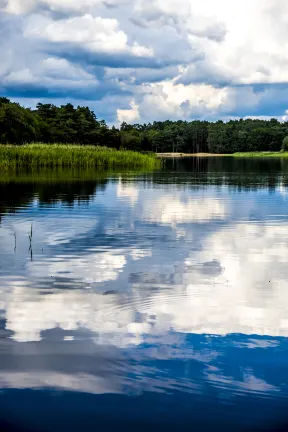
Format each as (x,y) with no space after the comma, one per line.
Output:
(79,125)
(17,124)
(63,155)
(130,140)
(285,144)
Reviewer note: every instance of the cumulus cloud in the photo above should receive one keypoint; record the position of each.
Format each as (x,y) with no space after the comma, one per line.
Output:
(129,115)
(51,76)
(19,7)
(96,34)
(227,61)
(183,15)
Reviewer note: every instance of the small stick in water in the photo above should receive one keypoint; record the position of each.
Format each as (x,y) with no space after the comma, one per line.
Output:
(30,236)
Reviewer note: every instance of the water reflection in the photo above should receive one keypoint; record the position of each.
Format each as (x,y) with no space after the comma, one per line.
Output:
(17,193)
(236,173)
(169,285)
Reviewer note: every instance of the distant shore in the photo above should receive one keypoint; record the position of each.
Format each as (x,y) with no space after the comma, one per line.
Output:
(239,155)
(179,155)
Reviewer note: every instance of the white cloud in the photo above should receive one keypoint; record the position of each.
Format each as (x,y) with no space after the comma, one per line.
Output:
(53,73)
(59,67)
(247,44)
(166,99)
(285,117)
(187,16)
(141,51)
(97,34)
(19,6)
(129,115)
(199,53)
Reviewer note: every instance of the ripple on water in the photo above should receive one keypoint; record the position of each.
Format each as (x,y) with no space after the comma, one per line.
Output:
(169,288)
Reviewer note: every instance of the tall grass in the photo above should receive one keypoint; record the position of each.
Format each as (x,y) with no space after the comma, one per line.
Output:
(62,155)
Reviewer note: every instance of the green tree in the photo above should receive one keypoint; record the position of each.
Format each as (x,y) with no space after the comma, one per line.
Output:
(17,125)
(49,123)
(285,144)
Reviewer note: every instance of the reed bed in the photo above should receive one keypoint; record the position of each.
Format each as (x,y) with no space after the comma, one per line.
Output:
(64,155)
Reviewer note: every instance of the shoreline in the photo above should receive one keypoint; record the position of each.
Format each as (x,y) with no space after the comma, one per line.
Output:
(181,155)
(234,155)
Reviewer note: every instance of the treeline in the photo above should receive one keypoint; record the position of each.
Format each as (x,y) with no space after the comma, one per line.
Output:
(68,124)
(51,124)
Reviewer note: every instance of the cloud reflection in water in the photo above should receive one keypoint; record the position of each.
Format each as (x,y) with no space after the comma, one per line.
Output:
(145,289)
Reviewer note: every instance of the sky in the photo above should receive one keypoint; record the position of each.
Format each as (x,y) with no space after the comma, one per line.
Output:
(139,61)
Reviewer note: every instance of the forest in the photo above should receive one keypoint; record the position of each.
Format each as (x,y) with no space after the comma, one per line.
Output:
(79,125)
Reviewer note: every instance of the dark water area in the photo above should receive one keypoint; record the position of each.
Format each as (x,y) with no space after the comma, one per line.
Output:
(145,300)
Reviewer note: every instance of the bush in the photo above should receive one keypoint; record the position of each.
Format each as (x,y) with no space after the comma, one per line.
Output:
(285,144)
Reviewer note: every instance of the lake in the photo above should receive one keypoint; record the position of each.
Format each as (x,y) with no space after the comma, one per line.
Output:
(145,300)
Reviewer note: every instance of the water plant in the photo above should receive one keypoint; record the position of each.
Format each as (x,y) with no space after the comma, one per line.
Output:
(64,155)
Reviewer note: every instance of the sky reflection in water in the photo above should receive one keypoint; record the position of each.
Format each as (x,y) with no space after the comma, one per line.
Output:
(171,284)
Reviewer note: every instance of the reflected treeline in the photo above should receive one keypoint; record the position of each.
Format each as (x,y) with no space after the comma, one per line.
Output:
(19,189)
(238,173)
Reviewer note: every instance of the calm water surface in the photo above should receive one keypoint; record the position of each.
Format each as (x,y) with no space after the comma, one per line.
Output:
(145,300)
